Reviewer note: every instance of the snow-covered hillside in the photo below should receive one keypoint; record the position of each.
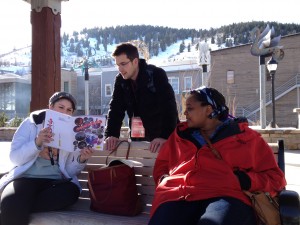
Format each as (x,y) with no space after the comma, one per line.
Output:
(19,61)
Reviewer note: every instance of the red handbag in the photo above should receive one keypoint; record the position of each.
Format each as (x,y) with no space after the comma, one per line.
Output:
(113,188)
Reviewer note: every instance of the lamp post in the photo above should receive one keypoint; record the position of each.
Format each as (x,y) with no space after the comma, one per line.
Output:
(85,64)
(204,75)
(262,97)
(204,61)
(264,45)
(272,67)
(86,86)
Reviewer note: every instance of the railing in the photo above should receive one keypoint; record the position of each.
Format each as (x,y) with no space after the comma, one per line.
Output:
(250,111)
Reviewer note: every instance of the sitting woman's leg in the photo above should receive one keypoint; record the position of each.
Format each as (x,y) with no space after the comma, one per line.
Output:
(26,195)
(176,213)
(58,195)
(226,211)
(214,211)
(17,199)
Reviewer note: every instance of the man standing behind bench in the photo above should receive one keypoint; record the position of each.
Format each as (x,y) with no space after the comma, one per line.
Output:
(143,91)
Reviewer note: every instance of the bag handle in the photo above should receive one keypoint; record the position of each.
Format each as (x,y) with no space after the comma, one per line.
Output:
(210,146)
(116,148)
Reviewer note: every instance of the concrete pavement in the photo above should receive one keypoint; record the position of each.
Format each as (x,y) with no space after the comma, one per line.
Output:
(292,165)
(4,159)
(292,169)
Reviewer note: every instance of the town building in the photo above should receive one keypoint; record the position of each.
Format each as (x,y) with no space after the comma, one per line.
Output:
(233,71)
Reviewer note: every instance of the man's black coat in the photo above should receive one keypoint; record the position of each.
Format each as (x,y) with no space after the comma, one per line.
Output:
(151,98)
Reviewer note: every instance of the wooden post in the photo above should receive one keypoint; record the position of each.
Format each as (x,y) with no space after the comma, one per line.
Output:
(46,62)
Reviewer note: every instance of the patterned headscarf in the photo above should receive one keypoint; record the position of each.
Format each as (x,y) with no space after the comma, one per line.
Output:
(207,97)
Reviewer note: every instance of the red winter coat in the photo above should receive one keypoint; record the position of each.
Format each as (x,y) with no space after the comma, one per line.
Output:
(202,177)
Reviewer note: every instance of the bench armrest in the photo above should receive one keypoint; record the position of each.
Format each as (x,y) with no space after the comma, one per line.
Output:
(289,207)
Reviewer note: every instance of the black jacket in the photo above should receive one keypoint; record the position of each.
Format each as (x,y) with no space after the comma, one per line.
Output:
(153,100)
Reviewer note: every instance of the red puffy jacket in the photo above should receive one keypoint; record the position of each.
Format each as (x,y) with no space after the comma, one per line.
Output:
(201,176)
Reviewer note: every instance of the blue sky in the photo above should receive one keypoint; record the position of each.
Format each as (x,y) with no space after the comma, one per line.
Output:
(198,14)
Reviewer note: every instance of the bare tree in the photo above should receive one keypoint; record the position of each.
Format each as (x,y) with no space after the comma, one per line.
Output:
(142,48)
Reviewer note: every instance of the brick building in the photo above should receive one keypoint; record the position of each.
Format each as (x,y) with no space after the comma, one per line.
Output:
(235,72)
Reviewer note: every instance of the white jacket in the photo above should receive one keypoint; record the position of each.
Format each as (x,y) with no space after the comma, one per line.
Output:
(24,151)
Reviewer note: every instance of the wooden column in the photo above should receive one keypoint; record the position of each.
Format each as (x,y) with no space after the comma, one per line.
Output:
(46,62)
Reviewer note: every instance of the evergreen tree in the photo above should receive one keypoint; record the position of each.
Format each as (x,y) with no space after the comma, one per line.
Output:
(181,47)
(78,50)
(72,48)
(104,42)
(159,38)
(72,41)
(97,47)
(163,46)
(65,39)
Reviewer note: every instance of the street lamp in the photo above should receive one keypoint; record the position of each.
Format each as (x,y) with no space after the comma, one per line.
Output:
(264,45)
(272,67)
(85,64)
(86,86)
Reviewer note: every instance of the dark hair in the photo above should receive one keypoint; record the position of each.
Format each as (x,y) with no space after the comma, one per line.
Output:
(128,49)
(62,95)
(211,96)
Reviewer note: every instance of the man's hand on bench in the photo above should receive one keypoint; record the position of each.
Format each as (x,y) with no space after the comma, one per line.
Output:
(156,144)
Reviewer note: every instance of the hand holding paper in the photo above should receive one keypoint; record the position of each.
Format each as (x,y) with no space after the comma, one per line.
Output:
(72,133)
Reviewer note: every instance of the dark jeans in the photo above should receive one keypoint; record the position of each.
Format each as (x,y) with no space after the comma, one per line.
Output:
(214,211)
(26,195)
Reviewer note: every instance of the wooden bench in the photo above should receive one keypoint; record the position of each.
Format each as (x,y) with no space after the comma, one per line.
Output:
(80,214)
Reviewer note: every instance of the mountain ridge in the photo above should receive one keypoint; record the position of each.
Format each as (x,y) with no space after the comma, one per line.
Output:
(165,45)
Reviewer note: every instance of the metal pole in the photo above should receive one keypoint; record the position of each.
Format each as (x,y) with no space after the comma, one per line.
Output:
(86,87)
(273,124)
(101,104)
(262,77)
(204,75)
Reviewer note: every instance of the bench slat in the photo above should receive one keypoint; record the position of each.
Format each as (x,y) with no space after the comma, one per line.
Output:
(80,213)
(80,217)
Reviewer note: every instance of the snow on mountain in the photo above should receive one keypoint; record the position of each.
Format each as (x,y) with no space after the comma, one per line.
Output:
(20,59)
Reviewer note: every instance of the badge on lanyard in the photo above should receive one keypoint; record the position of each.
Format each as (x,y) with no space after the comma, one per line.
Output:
(137,128)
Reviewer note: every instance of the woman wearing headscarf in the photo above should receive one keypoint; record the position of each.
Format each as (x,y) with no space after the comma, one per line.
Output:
(207,162)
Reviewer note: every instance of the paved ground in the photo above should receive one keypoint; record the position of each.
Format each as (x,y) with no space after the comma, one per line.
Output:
(292,165)
(4,159)
(292,169)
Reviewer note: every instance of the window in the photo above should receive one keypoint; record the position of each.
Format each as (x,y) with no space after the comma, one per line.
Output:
(7,96)
(108,91)
(230,77)
(187,83)
(174,81)
(66,86)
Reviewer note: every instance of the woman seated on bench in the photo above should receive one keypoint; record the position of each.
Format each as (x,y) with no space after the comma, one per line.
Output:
(44,178)
(201,184)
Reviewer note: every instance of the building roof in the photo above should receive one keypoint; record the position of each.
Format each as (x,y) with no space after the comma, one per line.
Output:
(11,77)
